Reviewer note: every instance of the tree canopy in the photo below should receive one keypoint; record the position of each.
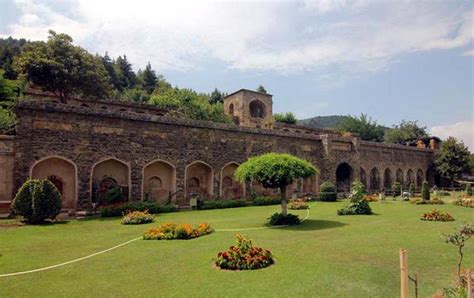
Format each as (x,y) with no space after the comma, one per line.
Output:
(367,129)
(274,170)
(288,117)
(405,133)
(62,68)
(452,159)
(261,89)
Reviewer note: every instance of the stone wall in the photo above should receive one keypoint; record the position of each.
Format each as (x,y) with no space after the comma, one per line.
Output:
(86,136)
(7,162)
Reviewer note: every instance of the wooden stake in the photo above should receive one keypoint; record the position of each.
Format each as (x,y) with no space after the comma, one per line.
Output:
(469,285)
(403,274)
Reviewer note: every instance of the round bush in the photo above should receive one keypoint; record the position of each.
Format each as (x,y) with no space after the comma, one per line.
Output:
(327,186)
(37,200)
(327,192)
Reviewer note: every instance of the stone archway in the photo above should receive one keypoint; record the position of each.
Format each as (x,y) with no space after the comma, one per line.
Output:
(387,179)
(410,178)
(63,174)
(108,174)
(374,179)
(344,177)
(199,180)
(363,177)
(399,177)
(231,188)
(159,181)
(257,109)
(419,178)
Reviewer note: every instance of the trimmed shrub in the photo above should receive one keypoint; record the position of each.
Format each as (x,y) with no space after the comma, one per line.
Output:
(244,256)
(434,201)
(137,218)
(411,188)
(358,208)
(122,208)
(113,195)
(265,201)
(468,190)
(327,192)
(396,189)
(425,191)
(37,200)
(278,219)
(221,204)
(170,231)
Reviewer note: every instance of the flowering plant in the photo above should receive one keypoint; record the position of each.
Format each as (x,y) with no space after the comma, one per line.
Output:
(436,215)
(244,256)
(465,202)
(137,218)
(169,231)
(371,198)
(298,204)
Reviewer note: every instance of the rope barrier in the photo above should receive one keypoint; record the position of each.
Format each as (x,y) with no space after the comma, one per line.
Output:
(130,241)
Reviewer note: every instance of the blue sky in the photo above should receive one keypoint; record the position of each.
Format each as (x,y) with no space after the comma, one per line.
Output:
(390,59)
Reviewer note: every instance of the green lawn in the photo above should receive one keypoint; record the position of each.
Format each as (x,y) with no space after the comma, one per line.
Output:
(328,255)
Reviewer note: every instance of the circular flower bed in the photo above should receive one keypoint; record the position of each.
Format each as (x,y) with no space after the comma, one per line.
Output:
(170,231)
(244,256)
(137,218)
(436,215)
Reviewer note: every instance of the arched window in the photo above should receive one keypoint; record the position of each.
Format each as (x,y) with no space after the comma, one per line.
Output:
(155,182)
(257,109)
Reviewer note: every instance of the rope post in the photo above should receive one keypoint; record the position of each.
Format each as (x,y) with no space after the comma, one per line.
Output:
(403,273)
(469,284)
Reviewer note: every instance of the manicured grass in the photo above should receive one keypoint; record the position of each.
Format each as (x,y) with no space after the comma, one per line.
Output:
(328,255)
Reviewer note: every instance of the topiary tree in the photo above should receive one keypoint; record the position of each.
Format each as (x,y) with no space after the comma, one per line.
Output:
(468,190)
(411,188)
(425,191)
(327,192)
(274,170)
(397,189)
(37,200)
(357,205)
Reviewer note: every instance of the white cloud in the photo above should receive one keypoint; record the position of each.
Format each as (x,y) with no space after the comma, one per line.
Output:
(283,37)
(461,130)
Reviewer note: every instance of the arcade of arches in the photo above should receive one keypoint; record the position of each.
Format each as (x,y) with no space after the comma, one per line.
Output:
(344,178)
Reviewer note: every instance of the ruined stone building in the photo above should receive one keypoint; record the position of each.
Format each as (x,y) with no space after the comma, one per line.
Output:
(85,147)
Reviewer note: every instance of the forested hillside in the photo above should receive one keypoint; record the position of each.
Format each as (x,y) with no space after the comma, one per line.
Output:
(323,121)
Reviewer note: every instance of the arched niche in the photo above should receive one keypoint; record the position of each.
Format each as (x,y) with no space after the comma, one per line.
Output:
(410,177)
(344,177)
(363,177)
(230,187)
(257,109)
(62,173)
(387,179)
(399,177)
(159,181)
(199,180)
(419,178)
(107,174)
(374,179)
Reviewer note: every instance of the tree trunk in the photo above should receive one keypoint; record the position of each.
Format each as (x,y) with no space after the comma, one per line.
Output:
(284,206)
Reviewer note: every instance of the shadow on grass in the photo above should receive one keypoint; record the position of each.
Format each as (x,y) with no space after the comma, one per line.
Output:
(314,225)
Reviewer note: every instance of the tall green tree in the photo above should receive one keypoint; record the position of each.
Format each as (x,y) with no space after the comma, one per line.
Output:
(127,79)
(109,66)
(148,79)
(404,133)
(60,67)
(367,129)
(261,89)
(452,159)
(216,97)
(274,170)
